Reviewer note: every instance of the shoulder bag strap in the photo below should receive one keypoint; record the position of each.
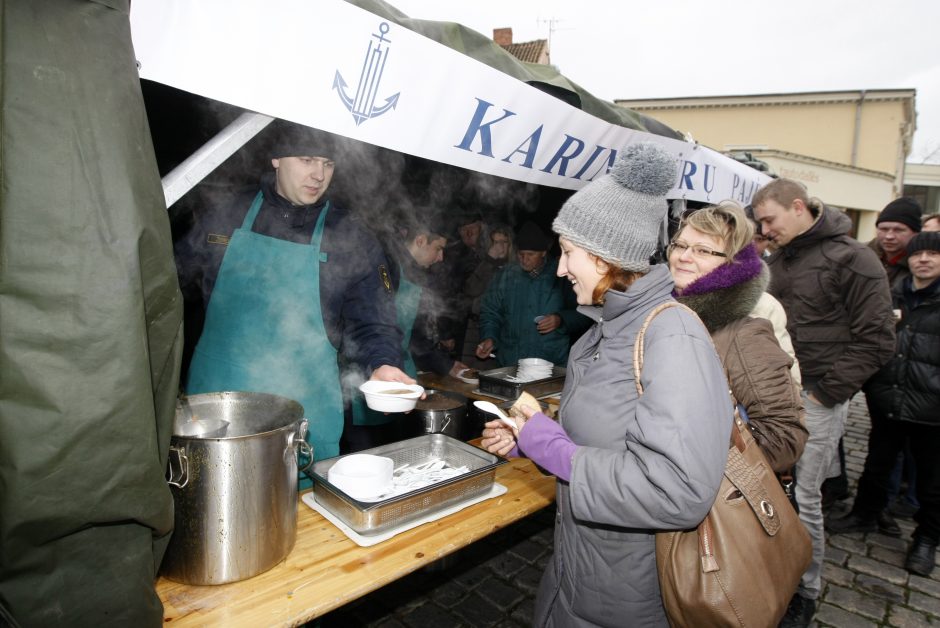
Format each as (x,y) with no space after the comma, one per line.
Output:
(640,335)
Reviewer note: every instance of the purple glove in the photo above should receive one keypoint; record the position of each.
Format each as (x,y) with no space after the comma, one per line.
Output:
(547,444)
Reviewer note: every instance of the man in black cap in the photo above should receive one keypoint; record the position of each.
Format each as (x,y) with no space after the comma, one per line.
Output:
(527,311)
(904,403)
(288,279)
(897,223)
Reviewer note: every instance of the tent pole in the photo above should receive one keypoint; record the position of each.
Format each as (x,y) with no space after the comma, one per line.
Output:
(197,166)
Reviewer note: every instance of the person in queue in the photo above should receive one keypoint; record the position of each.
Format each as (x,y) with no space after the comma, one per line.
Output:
(895,225)
(417,246)
(526,311)
(627,465)
(904,404)
(838,304)
(720,276)
(499,253)
(289,279)
(462,256)
(931,222)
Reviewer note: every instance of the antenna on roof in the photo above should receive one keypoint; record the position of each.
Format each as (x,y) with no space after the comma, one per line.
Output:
(552,22)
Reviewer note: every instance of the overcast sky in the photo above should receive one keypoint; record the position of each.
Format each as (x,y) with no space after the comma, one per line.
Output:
(618,49)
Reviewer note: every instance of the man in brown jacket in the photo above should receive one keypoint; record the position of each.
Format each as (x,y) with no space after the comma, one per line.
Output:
(835,292)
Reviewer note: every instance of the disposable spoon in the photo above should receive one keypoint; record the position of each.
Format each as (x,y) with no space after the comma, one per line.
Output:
(492,408)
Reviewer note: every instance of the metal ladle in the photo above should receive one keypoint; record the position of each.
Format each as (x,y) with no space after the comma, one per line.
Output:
(492,408)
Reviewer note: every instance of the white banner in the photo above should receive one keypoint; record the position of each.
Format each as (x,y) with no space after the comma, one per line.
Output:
(331,65)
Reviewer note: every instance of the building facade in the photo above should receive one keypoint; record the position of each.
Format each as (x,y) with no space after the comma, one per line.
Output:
(847,147)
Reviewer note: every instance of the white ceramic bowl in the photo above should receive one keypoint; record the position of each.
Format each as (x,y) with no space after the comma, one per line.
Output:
(391,396)
(537,362)
(362,476)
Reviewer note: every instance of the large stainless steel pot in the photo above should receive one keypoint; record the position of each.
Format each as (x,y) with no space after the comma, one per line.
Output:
(233,474)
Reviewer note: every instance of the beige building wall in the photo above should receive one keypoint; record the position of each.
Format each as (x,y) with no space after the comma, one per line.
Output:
(849,146)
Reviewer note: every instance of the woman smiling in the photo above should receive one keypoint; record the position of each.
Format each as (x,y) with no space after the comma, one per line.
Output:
(628,465)
(719,274)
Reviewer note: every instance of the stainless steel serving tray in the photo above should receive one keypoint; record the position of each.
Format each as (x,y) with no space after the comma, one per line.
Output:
(497,382)
(375,517)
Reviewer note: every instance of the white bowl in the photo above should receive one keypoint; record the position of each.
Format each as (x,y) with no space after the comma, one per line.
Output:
(537,362)
(362,476)
(391,396)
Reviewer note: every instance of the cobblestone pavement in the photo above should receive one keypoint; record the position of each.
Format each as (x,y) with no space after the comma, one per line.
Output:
(493,582)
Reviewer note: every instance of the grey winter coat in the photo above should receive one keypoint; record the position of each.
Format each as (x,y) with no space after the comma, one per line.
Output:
(642,465)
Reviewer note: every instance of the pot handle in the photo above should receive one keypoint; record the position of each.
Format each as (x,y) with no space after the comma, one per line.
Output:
(181,479)
(304,449)
(301,447)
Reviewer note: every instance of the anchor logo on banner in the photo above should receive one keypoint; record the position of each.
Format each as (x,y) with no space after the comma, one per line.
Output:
(362,105)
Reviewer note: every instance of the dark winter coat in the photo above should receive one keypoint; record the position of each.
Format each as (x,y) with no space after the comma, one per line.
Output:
(758,370)
(356,297)
(908,387)
(838,305)
(896,272)
(642,464)
(509,307)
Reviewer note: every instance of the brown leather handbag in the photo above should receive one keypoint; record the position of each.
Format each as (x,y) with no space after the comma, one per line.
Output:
(743,562)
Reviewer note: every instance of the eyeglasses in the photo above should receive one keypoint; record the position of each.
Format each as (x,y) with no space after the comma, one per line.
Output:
(698,250)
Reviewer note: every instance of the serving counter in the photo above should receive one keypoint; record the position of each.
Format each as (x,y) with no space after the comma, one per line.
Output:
(326,570)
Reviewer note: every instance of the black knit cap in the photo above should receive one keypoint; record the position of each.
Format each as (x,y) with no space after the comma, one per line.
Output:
(924,241)
(286,139)
(904,210)
(531,237)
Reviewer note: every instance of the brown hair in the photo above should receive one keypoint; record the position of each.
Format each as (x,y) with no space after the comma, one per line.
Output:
(615,278)
(725,221)
(784,192)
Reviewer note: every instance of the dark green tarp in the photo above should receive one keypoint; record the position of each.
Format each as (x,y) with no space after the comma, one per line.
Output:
(90,323)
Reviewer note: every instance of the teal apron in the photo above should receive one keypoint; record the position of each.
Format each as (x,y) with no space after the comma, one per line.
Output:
(406,310)
(264,330)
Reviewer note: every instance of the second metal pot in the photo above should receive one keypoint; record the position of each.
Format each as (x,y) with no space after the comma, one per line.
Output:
(443,412)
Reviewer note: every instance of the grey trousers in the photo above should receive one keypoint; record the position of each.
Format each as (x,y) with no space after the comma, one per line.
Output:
(825,426)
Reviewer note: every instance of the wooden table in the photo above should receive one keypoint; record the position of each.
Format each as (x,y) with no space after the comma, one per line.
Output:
(326,570)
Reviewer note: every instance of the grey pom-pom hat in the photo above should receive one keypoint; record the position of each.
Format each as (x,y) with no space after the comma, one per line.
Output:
(618,216)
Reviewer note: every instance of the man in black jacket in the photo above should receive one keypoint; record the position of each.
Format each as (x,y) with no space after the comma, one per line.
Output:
(904,403)
(835,292)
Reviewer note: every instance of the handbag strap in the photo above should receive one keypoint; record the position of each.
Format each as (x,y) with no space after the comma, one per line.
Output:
(737,470)
(640,335)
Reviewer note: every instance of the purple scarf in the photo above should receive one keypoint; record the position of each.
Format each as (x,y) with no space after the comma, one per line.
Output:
(743,267)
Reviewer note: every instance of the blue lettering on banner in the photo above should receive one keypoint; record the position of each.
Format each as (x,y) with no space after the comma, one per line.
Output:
(606,166)
(362,104)
(478,126)
(688,171)
(560,155)
(532,147)
(742,191)
(569,150)
(711,188)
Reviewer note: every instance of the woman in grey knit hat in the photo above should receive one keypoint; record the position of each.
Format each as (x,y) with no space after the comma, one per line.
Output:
(627,465)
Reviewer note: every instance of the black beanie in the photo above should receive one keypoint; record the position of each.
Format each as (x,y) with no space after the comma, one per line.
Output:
(903,210)
(287,139)
(924,241)
(532,238)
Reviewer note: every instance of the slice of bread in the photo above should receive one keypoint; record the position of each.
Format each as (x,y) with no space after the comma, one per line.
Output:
(525,399)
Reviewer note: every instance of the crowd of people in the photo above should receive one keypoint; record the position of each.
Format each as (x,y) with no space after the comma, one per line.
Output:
(787,317)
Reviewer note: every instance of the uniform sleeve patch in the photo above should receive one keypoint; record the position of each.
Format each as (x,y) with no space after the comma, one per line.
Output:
(386,280)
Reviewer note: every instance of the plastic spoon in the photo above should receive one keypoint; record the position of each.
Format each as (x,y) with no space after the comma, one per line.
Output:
(492,408)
